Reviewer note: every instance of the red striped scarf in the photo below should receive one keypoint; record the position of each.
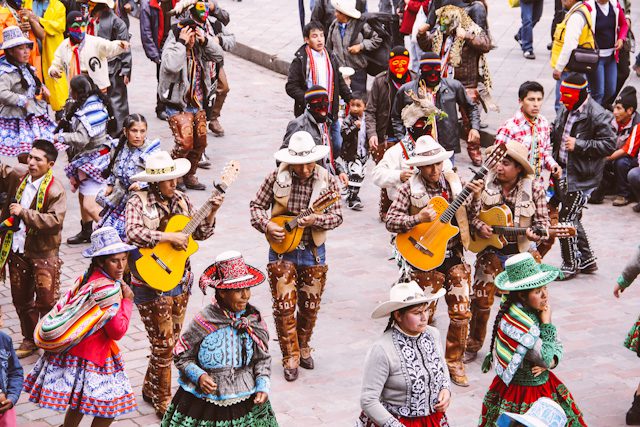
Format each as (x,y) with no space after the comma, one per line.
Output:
(314,72)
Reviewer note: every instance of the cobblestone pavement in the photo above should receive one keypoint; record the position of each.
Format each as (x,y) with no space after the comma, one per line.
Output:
(600,373)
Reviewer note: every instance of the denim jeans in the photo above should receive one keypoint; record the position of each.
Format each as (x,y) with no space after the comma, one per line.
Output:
(301,258)
(623,166)
(530,14)
(142,294)
(336,138)
(172,111)
(603,79)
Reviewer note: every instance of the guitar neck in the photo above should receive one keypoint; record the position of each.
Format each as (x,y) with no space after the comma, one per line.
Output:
(448,214)
(294,222)
(204,211)
(509,231)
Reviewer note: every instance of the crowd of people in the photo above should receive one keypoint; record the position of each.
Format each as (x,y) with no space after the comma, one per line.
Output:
(63,88)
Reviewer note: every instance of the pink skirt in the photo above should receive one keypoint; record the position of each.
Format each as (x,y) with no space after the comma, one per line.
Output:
(8,419)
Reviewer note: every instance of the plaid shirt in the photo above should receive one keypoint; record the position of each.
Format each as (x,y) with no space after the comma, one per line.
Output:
(535,135)
(566,132)
(540,216)
(299,200)
(141,236)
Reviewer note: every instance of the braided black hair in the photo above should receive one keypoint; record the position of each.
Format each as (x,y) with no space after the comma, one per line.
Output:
(84,87)
(23,81)
(129,121)
(96,262)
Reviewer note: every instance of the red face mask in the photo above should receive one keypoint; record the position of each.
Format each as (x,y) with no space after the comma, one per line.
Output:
(430,74)
(399,66)
(570,96)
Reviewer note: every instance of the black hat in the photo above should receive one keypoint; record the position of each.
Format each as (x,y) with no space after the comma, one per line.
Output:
(628,98)
(576,79)
(398,50)
(73,17)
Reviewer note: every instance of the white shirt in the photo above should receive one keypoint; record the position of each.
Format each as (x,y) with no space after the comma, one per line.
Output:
(320,60)
(29,193)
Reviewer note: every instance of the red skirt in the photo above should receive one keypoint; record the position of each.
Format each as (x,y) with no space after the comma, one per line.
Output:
(518,399)
(439,419)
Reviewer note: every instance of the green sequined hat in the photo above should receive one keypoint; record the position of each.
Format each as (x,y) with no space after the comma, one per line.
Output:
(522,272)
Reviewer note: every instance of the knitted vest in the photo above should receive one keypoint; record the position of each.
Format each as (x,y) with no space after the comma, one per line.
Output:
(420,198)
(586,37)
(524,209)
(151,214)
(282,191)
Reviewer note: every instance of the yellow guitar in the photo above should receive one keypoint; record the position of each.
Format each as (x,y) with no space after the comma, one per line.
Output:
(501,220)
(292,232)
(425,245)
(162,266)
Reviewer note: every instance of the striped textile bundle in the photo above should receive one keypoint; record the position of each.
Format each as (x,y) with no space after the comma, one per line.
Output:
(78,314)
(517,334)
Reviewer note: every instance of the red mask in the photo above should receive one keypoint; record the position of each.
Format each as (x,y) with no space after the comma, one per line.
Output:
(572,96)
(399,66)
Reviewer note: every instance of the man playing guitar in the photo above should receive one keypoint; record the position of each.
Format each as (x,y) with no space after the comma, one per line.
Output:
(410,208)
(162,312)
(297,277)
(511,183)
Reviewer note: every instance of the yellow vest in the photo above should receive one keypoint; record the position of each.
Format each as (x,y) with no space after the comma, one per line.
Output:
(586,36)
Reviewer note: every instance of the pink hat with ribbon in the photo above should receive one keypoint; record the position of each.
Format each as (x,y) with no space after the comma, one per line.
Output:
(229,271)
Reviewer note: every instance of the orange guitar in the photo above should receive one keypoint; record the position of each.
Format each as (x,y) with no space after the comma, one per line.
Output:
(425,245)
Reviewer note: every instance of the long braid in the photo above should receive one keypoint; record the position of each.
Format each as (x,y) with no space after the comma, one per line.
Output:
(504,308)
(23,81)
(390,323)
(129,121)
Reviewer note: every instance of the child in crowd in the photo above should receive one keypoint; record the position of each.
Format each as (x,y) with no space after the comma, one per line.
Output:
(354,153)
(11,377)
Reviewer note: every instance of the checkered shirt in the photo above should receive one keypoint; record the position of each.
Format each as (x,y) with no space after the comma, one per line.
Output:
(299,198)
(566,133)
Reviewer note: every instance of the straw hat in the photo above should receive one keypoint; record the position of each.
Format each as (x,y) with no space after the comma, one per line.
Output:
(229,271)
(404,295)
(159,166)
(302,149)
(348,7)
(13,36)
(522,272)
(106,241)
(543,413)
(428,152)
(518,153)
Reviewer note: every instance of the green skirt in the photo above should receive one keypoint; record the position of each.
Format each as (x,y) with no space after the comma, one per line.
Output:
(633,338)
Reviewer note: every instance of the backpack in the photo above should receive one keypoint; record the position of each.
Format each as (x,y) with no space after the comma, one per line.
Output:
(386,26)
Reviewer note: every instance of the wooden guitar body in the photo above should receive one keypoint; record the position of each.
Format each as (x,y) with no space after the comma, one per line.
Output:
(291,238)
(162,266)
(496,216)
(425,245)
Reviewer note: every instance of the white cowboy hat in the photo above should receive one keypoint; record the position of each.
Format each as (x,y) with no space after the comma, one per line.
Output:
(302,150)
(159,166)
(543,413)
(348,7)
(109,3)
(13,36)
(105,241)
(518,153)
(404,295)
(428,152)
(346,71)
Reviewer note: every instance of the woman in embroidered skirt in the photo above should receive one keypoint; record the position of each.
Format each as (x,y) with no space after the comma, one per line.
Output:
(406,380)
(526,345)
(628,275)
(85,132)
(222,355)
(23,112)
(127,159)
(86,376)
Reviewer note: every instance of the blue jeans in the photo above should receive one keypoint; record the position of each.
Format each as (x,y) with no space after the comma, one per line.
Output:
(336,138)
(172,111)
(603,79)
(622,168)
(142,294)
(530,14)
(301,258)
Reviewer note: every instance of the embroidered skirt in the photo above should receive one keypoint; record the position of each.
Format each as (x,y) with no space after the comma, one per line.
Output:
(187,410)
(518,399)
(62,381)
(90,164)
(633,338)
(439,419)
(17,135)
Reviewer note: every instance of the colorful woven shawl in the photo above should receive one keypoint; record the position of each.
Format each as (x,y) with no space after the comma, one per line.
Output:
(94,116)
(78,314)
(517,334)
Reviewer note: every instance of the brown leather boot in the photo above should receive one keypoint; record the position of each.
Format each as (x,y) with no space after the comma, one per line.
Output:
(311,285)
(458,286)
(216,128)
(195,155)
(222,89)
(181,126)
(282,279)
(431,281)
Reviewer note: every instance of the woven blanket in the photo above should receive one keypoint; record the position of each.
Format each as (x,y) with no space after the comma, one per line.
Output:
(78,314)
(94,116)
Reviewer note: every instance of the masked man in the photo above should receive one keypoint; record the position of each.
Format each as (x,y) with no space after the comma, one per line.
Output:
(582,137)
(297,278)
(378,112)
(448,95)
(315,121)
(185,85)
(81,53)
(410,208)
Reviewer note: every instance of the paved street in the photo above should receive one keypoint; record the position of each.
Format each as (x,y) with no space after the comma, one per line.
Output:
(600,373)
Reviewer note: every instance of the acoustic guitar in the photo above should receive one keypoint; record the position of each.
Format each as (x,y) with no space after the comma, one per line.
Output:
(501,220)
(425,245)
(292,232)
(162,266)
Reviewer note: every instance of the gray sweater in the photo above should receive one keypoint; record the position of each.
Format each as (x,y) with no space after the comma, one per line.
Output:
(403,376)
